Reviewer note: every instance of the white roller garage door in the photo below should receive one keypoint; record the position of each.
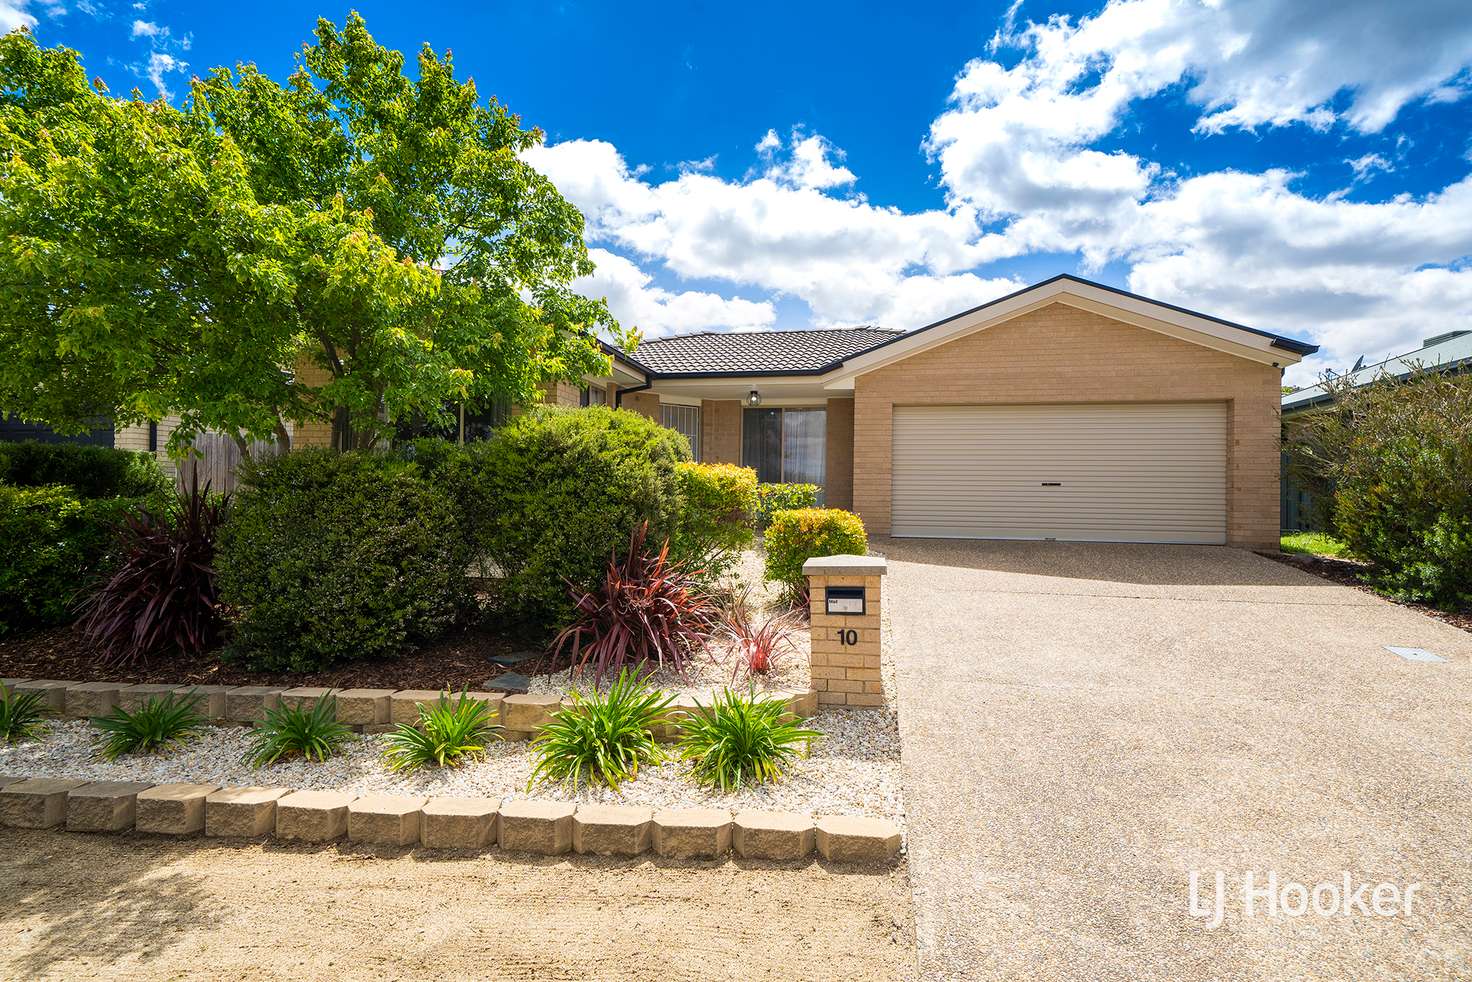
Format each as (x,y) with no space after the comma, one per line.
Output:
(1126,472)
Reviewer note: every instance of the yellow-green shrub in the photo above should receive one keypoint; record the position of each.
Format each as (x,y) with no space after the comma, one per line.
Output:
(717,510)
(796,536)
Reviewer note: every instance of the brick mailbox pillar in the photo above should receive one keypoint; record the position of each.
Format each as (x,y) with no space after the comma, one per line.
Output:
(844,606)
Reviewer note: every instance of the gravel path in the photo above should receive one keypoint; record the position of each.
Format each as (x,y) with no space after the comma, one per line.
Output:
(853,770)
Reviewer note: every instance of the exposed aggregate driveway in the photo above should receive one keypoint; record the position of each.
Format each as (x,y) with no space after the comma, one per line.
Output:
(1083,725)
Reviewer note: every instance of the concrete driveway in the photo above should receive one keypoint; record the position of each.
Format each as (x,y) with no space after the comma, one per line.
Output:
(1084,725)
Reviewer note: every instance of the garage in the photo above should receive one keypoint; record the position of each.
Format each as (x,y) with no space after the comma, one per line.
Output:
(1110,472)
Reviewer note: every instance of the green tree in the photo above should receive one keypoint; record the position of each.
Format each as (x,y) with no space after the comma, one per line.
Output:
(194,261)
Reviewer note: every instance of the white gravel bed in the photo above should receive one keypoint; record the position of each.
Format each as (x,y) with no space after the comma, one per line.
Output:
(853,770)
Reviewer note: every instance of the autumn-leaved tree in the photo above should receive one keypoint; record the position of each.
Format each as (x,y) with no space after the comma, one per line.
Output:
(202,261)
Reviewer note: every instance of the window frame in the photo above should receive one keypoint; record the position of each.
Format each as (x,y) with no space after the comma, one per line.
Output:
(694,413)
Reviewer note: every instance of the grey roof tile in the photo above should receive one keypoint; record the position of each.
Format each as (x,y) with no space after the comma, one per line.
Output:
(757,352)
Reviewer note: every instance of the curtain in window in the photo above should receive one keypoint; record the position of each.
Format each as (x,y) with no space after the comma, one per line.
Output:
(761,443)
(684,420)
(803,445)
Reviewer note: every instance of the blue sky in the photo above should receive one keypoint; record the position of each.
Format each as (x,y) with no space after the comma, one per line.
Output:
(1300,165)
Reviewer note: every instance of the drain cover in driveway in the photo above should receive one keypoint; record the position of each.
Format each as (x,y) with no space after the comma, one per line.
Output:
(1413,654)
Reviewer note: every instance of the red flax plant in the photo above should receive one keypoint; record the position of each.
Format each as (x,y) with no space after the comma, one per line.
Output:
(757,648)
(162,593)
(648,610)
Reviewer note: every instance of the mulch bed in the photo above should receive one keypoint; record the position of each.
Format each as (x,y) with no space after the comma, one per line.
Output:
(460,659)
(1348,573)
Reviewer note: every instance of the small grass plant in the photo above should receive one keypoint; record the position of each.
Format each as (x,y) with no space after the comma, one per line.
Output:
(448,733)
(1311,544)
(159,724)
(602,737)
(296,731)
(741,740)
(22,716)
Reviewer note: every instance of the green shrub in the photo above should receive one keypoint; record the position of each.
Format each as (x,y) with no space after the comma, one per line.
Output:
(92,472)
(54,545)
(602,737)
(772,498)
(741,740)
(293,731)
(22,716)
(794,537)
(560,490)
(717,514)
(448,733)
(158,724)
(328,557)
(1398,454)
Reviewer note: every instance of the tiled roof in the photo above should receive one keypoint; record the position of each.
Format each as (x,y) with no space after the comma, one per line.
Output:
(757,352)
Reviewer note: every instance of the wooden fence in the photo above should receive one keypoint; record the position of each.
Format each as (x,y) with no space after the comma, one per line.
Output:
(216,459)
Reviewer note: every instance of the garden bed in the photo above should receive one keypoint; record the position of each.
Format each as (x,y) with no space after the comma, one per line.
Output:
(853,769)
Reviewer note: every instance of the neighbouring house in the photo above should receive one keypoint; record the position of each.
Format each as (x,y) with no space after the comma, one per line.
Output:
(1068,410)
(1447,352)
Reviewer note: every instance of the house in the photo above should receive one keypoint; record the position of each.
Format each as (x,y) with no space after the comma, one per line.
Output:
(1067,410)
(1447,352)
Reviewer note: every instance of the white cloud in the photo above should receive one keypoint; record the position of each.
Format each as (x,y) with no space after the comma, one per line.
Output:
(1364,167)
(147,29)
(637,302)
(809,166)
(769,144)
(13,14)
(160,64)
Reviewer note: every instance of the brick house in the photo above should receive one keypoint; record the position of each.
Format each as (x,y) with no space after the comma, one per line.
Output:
(1068,410)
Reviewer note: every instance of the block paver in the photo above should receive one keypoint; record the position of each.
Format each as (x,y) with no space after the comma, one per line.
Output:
(36,803)
(53,692)
(304,696)
(536,826)
(313,816)
(692,833)
(385,819)
(612,830)
(404,704)
(173,809)
(248,703)
(363,707)
(772,835)
(87,699)
(245,812)
(132,697)
(103,806)
(209,700)
(852,839)
(459,823)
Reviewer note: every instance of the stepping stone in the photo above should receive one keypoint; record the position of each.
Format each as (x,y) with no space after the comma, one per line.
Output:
(611,830)
(850,839)
(363,707)
(88,699)
(772,835)
(313,816)
(692,833)
(132,697)
(385,819)
(173,809)
(509,682)
(459,823)
(36,803)
(103,806)
(248,703)
(209,700)
(53,692)
(537,826)
(245,812)
(516,657)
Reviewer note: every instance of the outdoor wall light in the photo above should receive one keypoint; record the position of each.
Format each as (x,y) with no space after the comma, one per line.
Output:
(753,398)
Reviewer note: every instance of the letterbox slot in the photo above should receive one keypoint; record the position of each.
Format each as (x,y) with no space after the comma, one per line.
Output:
(845,600)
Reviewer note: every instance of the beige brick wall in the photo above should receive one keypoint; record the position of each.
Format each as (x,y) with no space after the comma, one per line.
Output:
(562,394)
(846,674)
(135,437)
(720,431)
(839,462)
(645,403)
(1062,354)
(311,433)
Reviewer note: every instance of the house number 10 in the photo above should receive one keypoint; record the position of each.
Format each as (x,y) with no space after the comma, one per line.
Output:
(848,636)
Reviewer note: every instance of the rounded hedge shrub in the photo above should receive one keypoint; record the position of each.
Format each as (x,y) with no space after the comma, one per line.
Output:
(772,498)
(55,543)
(93,472)
(329,557)
(717,513)
(558,491)
(797,535)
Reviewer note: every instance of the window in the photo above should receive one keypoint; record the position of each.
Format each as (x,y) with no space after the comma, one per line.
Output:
(785,446)
(594,395)
(684,420)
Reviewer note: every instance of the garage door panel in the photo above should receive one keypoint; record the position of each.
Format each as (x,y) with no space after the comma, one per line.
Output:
(1124,472)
